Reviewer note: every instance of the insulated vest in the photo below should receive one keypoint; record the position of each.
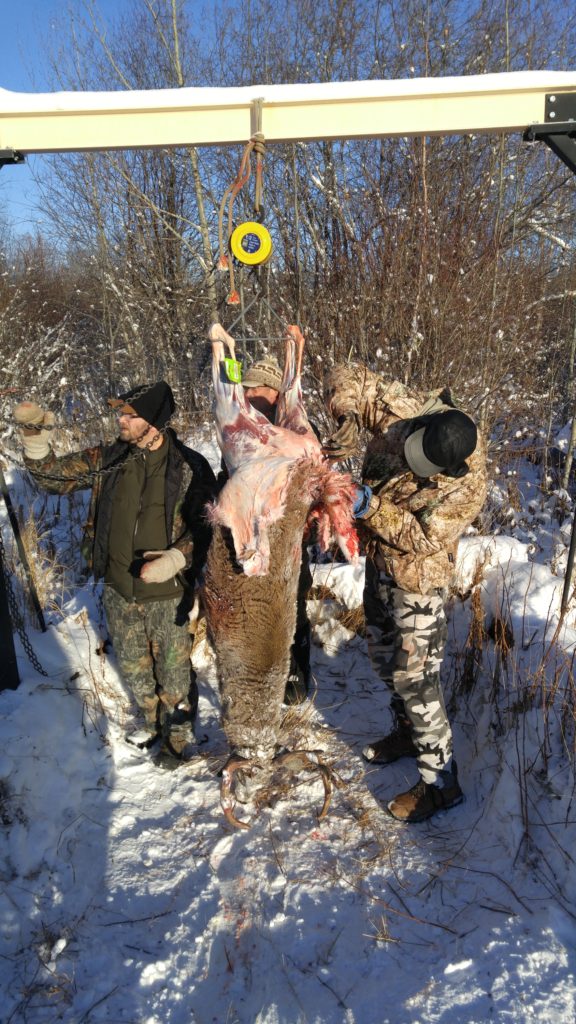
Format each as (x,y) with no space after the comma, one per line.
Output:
(138,524)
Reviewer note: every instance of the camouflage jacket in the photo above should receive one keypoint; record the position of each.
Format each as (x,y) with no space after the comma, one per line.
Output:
(190,485)
(412,531)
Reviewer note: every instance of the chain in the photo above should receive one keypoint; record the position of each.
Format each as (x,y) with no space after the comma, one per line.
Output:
(124,457)
(17,620)
(88,477)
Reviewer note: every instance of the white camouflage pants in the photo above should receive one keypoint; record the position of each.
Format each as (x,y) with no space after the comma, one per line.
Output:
(406,639)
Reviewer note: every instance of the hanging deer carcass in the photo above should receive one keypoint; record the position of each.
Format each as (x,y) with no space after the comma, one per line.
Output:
(278,483)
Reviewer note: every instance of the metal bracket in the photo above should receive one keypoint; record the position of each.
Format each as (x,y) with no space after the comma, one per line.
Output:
(560,106)
(559,129)
(11,156)
(560,137)
(559,134)
(256,116)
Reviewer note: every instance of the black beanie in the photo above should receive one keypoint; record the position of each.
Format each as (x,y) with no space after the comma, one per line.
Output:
(152,402)
(442,445)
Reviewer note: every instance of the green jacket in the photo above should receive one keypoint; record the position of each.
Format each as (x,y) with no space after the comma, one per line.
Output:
(117,477)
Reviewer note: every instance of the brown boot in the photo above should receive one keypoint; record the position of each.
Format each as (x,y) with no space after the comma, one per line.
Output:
(424,800)
(396,744)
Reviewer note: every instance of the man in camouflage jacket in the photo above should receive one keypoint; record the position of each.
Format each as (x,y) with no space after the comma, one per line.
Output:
(147,537)
(423,483)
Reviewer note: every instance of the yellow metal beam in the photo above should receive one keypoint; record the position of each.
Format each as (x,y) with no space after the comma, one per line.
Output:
(60,122)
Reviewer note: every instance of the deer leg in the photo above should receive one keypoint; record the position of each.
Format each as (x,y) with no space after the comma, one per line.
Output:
(221,339)
(294,334)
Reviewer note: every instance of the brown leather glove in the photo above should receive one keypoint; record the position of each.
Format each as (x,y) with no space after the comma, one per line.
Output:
(344,441)
(35,426)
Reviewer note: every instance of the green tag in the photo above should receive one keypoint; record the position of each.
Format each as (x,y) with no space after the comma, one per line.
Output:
(233,370)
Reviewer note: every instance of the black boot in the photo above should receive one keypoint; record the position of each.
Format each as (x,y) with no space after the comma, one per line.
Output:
(398,743)
(296,690)
(143,739)
(298,682)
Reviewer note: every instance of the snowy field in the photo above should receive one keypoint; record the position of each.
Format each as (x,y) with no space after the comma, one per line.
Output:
(126,897)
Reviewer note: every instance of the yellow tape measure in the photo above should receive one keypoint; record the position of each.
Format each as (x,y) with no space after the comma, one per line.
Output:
(251,243)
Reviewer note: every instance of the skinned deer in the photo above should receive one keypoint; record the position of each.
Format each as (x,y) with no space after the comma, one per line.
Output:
(278,482)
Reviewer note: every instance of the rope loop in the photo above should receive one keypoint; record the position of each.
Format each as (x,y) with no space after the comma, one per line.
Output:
(256,144)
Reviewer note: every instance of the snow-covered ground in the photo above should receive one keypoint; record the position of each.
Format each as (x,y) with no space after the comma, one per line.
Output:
(125,896)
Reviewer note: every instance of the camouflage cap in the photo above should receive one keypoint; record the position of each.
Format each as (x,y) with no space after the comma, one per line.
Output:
(265,373)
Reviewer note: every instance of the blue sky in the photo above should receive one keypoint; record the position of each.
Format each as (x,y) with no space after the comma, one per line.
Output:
(29,28)
(25,30)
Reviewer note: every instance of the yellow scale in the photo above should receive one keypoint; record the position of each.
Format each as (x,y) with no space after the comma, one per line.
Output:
(250,243)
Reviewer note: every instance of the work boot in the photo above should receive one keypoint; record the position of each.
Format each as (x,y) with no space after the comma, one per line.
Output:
(147,735)
(396,744)
(425,799)
(143,739)
(178,732)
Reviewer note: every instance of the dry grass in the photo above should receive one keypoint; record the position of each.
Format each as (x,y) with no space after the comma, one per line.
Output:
(46,572)
(473,656)
(353,620)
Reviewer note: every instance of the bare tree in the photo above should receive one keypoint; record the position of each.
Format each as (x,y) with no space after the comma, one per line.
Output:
(419,256)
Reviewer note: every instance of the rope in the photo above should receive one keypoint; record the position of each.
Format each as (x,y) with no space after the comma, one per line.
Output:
(256,145)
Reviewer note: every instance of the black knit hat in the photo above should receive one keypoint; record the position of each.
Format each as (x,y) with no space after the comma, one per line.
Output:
(152,402)
(442,445)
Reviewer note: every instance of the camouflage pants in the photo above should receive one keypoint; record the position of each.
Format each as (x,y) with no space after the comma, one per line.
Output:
(154,658)
(406,639)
